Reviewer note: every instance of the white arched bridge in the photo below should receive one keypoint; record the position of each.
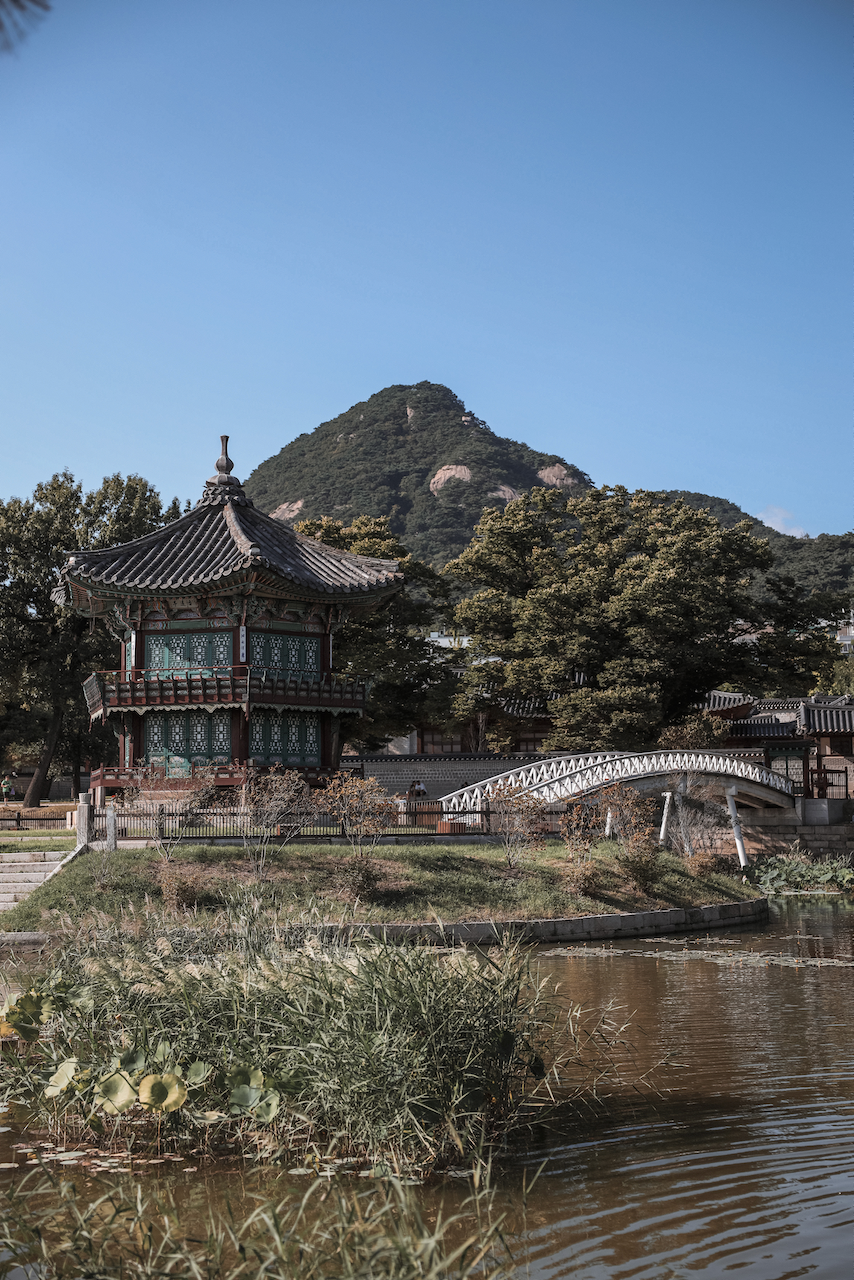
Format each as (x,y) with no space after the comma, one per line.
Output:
(572,776)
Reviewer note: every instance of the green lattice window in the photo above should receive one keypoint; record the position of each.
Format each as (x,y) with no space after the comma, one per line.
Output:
(291,738)
(178,739)
(284,652)
(204,650)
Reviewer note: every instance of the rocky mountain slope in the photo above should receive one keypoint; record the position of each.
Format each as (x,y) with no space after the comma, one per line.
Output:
(417,454)
(414,453)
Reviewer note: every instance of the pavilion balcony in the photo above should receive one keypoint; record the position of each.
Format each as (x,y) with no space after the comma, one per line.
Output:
(109,692)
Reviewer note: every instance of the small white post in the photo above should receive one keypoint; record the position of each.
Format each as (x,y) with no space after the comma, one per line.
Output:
(609,823)
(668,801)
(111,829)
(731,793)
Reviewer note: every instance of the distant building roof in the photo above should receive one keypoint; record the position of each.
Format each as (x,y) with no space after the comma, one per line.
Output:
(763,727)
(222,544)
(824,718)
(720,700)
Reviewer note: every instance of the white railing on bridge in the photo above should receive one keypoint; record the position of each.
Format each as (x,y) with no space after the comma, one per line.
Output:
(564,777)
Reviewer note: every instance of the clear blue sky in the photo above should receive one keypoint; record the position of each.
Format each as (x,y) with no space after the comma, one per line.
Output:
(618,229)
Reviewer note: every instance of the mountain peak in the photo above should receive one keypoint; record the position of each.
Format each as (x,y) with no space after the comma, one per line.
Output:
(414,453)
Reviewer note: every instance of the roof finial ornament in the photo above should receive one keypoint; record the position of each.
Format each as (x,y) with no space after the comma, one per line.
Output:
(224,487)
(224,465)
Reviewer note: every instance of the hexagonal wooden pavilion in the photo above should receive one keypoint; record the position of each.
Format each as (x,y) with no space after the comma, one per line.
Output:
(225,618)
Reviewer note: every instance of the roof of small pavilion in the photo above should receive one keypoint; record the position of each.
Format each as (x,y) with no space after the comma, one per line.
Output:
(223,544)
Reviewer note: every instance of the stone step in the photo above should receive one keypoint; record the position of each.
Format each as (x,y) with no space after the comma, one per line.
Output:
(32,855)
(27,868)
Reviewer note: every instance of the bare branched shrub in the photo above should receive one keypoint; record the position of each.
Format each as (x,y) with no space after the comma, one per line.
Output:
(633,827)
(166,810)
(279,805)
(362,807)
(700,829)
(518,820)
(581,826)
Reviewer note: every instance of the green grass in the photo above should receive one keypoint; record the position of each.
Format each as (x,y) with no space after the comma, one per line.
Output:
(38,842)
(404,882)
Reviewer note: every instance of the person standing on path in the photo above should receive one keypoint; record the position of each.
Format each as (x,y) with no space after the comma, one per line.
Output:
(6,787)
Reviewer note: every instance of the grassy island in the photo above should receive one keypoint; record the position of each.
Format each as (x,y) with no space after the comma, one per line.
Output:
(406,882)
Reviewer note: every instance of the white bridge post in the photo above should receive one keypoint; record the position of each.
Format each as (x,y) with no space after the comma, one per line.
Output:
(731,793)
(668,801)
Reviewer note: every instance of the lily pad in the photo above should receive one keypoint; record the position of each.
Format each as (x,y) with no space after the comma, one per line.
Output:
(166,1092)
(115,1093)
(267,1107)
(61,1078)
(243,1099)
(132,1060)
(252,1076)
(197,1073)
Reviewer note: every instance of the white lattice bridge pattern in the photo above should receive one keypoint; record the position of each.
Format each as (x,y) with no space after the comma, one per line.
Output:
(566,777)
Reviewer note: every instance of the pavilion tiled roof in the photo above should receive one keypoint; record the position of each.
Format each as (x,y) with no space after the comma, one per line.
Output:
(222,541)
(763,727)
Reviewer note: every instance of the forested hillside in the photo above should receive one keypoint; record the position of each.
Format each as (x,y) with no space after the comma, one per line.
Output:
(414,453)
(823,563)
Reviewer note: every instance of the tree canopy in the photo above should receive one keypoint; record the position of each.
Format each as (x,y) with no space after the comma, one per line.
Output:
(47,651)
(625,609)
(411,680)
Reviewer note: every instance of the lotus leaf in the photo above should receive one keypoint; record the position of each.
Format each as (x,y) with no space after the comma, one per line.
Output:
(245,1075)
(115,1093)
(267,1107)
(243,1098)
(197,1073)
(163,1052)
(132,1060)
(61,1078)
(166,1092)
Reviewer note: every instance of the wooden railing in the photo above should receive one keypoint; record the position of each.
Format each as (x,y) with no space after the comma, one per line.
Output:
(110,691)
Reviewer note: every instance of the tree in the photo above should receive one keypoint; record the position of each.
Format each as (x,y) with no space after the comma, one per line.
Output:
(412,681)
(15,16)
(45,650)
(625,609)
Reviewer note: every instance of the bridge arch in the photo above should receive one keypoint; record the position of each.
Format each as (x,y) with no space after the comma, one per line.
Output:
(562,778)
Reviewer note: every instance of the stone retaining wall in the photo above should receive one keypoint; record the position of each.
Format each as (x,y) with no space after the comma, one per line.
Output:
(630,924)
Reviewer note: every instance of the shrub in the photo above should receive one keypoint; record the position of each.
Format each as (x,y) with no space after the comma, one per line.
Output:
(633,826)
(279,806)
(362,807)
(517,818)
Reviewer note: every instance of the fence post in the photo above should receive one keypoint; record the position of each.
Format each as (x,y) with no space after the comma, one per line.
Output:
(111,829)
(84,819)
(486,817)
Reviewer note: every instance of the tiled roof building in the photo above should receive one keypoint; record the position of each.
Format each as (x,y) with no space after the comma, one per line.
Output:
(225,619)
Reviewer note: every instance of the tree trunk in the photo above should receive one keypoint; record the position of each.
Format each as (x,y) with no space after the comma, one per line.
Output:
(36,788)
(76,784)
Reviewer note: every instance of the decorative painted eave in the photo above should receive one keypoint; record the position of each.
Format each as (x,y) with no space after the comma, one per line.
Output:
(223,545)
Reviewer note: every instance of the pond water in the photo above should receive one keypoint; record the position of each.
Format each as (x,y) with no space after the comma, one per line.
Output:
(743,1163)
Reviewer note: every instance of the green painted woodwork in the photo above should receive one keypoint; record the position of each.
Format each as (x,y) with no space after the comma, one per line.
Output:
(284,652)
(203,650)
(179,739)
(291,738)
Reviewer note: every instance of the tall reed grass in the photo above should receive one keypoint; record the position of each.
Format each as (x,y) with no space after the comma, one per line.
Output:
(264,1035)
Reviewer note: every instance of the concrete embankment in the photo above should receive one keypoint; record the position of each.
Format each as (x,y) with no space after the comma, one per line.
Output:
(629,924)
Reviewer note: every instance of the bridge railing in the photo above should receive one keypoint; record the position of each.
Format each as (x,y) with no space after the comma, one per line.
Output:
(570,776)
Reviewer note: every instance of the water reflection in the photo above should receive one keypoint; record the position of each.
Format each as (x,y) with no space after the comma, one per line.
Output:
(744,1162)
